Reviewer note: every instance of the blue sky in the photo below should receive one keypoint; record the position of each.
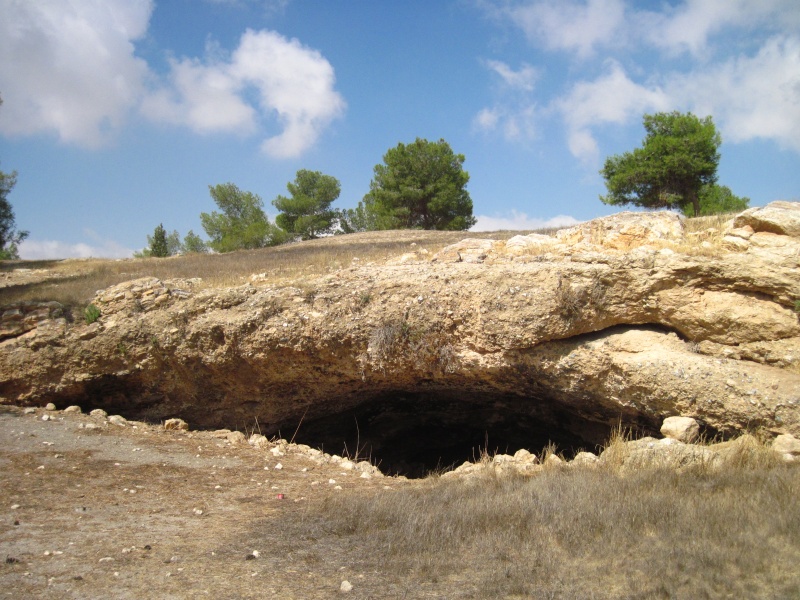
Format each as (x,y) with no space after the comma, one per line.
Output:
(118,114)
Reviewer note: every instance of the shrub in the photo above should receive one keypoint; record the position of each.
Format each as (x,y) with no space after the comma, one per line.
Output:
(91,314)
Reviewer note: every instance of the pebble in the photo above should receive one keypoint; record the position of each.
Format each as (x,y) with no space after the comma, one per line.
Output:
(72,409)
(278,467)
(29,411)
(50,406)
(46,417)
(346,586)
(98,412)
(198,512)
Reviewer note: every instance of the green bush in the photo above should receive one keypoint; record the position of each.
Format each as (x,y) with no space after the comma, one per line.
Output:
(91,314)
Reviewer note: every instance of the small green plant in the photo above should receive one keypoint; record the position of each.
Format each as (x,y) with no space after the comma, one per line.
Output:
(91,313)
(797,306)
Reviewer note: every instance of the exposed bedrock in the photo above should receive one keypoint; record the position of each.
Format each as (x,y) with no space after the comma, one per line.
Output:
(498,346)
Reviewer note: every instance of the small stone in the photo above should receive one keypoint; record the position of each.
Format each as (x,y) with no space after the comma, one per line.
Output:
(29,411)
(50,406)
(683,429)
(236,437)
(106,559)
(118,420)
(45,417)
(276,451)
(346,586)
(176,425)
(98,412)
(197,511)
(73,409)
(278,467)
(786,444)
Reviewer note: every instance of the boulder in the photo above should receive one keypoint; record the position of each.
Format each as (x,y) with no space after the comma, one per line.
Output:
(176,425)
(778,217)
(683,429)
(787,445)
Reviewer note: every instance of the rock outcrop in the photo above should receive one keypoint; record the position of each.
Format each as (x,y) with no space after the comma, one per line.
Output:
(625,319)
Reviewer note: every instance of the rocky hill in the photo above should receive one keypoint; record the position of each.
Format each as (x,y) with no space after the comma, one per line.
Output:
(623,320)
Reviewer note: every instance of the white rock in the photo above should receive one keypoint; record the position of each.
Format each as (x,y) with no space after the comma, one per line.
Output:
(176,425)
(276,451)
(98,412)
(786,444)
(118,420)
(236,437)
(72,409)
(258,440)
(29,411)
(584,458)
(346,586)
(683,429)
(46,417)
(50,406)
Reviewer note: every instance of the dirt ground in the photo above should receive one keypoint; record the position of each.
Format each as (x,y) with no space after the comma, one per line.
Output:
(134,511)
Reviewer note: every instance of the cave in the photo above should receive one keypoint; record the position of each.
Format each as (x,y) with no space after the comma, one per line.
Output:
(415,433)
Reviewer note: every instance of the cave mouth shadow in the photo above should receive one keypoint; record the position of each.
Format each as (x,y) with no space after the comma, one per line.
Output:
(416,434)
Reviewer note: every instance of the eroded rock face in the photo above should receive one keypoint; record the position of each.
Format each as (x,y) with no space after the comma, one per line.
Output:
(560,338)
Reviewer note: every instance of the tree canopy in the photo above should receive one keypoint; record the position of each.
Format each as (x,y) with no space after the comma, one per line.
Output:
(307,212)
(158,245)
(421,185)
(716,199)
(679,156)
(242,224)
(10,237)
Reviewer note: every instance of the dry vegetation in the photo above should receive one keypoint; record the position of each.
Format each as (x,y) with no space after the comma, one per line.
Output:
(582,532)
(74,282)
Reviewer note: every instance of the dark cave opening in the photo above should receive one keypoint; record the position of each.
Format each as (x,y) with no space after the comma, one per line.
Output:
(414,434)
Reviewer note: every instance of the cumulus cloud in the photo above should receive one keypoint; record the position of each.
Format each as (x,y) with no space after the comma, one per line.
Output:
(519,221)
(32,249)
(69,67)
(522,79)
(515,114)
(568,24)
(749,97)
(291,81)
(611,98)
(687,27)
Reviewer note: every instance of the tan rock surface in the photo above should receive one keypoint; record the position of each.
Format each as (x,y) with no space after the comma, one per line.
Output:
(615,322)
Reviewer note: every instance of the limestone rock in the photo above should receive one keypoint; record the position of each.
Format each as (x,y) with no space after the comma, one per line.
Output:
(779,217)
(683,429)
(787,445)
(574,331)
(176,425)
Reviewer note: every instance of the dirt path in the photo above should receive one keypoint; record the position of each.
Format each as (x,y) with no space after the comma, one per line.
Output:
(134,511)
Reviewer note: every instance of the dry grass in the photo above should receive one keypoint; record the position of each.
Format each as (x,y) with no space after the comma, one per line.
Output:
(74,282)
(732,532)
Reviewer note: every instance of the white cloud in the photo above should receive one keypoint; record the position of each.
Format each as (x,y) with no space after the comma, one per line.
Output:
(32,249)
(569,24)
(519,221)
(749,97)
(611,98)
(688,26)
(515,114)
(523,79)
(292,82)
(69,67)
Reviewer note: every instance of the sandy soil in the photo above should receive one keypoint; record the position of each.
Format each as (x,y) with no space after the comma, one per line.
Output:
(138,512)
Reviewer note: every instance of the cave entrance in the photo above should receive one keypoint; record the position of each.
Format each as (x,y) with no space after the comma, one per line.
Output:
(413,434)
